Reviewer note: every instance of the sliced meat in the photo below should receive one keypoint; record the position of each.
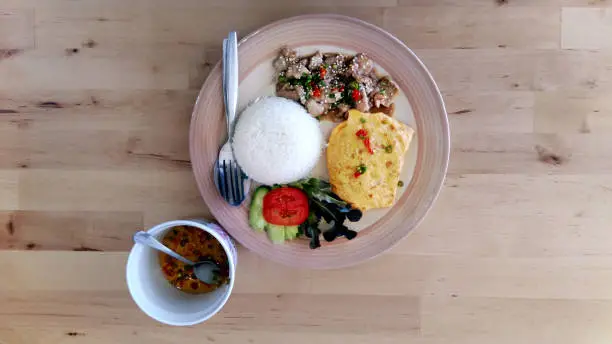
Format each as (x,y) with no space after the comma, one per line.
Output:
(332,97)
(341,72)
(287,91)
(367,83)
(378,99)
(387,110)
(336,61)
(385,91)
(343,108)
(389,86)
(363,104)
(361,66)
(301,93)
(280,64)
(336,116)
(315,107)
(289,54)
(315,60)
(284,59)
(296,70)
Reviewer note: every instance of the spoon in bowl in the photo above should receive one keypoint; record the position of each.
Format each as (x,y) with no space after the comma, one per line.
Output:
(206,271)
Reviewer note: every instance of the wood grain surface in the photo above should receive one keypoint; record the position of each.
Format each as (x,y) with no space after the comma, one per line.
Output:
(95,103)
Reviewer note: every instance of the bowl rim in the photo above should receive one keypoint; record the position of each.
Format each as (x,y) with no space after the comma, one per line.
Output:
(137,250)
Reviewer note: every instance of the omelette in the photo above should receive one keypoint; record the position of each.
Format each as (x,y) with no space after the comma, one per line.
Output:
(365,155)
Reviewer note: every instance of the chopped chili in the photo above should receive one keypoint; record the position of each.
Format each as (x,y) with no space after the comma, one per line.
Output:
(322,72)
(356,95)
(362,133)
(366,142)
(316,92)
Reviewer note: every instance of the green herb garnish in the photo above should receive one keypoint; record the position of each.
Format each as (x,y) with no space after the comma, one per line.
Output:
(400,183)
(362,120)
(324,204)
(389,148)
(361,169)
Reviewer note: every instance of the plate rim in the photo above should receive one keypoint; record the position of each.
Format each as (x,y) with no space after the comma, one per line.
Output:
(445,139)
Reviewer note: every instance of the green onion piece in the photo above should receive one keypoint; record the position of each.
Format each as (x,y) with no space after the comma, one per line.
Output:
(400,183)
(354,85)
(389,148)
(361,168)
(362,120)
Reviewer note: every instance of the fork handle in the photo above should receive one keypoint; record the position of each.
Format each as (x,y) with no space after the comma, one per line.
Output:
(230,79)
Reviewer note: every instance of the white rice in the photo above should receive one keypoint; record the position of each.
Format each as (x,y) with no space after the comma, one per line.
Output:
(276,141)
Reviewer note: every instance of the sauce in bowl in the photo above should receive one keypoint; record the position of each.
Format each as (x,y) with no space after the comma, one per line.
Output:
(195,245)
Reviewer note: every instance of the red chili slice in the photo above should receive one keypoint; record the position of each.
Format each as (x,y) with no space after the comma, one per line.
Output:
(362,133)
(366,142)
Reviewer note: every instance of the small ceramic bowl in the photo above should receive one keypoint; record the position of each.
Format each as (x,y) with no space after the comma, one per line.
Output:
(158,298)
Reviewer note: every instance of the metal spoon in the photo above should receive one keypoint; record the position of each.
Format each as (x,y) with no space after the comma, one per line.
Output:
(206,270)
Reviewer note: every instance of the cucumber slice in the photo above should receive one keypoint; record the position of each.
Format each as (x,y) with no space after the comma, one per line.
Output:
(276,233)
(291,232)
(256,219)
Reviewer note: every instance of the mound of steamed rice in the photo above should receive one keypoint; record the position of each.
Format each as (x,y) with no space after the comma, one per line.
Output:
(276,141)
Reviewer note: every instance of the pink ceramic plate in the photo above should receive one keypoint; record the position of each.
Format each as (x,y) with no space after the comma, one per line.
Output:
(419,105)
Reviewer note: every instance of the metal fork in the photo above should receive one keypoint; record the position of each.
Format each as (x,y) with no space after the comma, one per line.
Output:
(229,178)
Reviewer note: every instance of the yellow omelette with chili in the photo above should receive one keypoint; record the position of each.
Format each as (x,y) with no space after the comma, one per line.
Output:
(365,155)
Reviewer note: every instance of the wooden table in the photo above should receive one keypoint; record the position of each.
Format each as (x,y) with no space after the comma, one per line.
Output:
(95,102)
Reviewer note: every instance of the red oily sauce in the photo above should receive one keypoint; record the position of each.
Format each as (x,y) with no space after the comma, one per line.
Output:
(195,245)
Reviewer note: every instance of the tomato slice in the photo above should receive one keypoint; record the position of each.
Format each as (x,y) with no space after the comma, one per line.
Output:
(285,207)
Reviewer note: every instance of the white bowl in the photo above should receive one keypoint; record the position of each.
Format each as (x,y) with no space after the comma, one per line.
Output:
(158,298)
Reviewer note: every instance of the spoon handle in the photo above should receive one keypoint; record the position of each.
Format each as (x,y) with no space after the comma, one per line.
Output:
(147,239)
